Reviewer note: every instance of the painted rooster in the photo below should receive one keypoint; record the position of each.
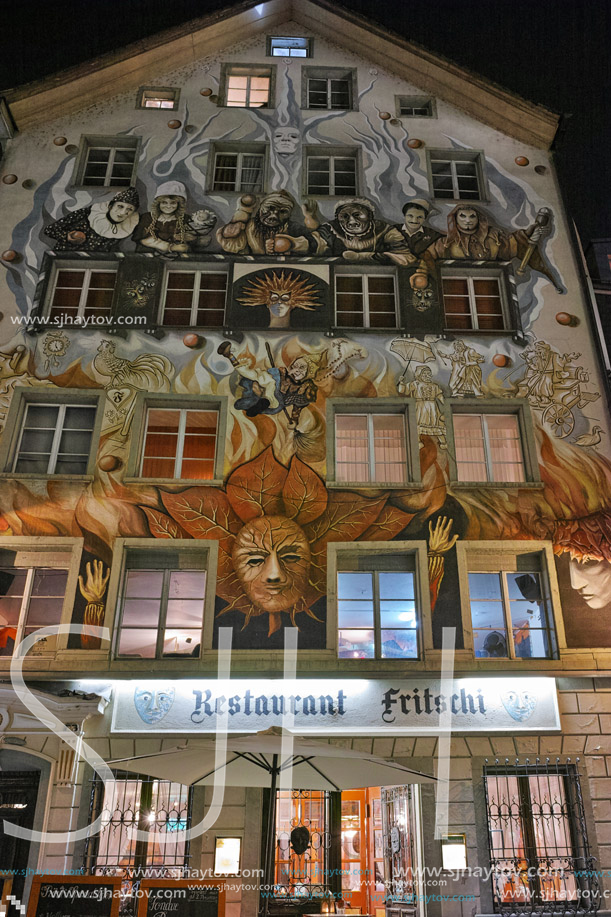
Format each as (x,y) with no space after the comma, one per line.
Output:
(149,372)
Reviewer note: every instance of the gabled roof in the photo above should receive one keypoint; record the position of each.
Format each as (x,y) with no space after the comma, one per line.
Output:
(70,90)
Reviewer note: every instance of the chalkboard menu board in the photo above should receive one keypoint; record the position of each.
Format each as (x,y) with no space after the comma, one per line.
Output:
(74,896)
(182,898)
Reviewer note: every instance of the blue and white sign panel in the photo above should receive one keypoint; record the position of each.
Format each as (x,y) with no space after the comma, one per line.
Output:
(337,706)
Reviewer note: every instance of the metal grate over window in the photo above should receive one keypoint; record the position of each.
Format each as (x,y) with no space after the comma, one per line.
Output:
(302,844)
(539,852)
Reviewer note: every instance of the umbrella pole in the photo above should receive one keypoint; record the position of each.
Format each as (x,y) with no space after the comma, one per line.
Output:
(268,877)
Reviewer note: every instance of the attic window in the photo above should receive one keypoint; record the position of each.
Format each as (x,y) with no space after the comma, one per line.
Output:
(289,47)
(415,107)
(151,97)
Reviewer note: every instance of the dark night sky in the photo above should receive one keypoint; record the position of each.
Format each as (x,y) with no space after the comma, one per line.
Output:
(553,52)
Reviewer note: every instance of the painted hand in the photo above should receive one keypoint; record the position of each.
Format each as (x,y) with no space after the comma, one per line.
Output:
(439,536)
(95,587)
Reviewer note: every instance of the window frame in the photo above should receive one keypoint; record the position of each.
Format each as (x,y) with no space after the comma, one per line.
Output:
(578,829)
(103,141)
(248,70)
(453,156)
(143,90)
(500,556)
(22,397)
(179,456)
(215,267)
(507,293)
(239,149)
(367,272)
(331,152)
(516,406)
(349,74)
(63,553)
(184,548)
(89,268)
(309,46)
(406,407)
(418,549)
(417,101)
(146,400)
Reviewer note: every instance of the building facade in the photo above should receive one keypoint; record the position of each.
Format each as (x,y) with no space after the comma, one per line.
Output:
(294,341)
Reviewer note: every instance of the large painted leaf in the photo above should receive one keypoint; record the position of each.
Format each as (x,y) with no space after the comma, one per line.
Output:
(389,523)
(346,517)
(255,489)
(304,494)
(163,526)
(203,513)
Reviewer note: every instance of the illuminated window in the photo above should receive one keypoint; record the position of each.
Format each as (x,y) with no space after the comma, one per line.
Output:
(370,448)
(289,47)
(377,607)
(244,86)
(488,447)
(31,597)
(511,610)
(179,444)
(158,98)
(474,301)
(162,605)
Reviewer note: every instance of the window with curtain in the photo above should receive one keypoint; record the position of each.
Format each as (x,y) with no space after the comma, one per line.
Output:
(539,851)
(331,175)
(488,447)
(365,300)
(31,597)
(371,448)
(195,298)
(238,171)
(179,443)
(79,293)
(247,87)
(511,610)
(376,607)
(162,605)
(55,439)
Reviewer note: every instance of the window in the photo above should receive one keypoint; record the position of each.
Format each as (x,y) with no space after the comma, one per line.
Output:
(162,605)
(376,607)
(332,175)
(195,298)
(539,851)
(31,597)
(55,438)
(107,162)
(163,806)
(82,293)
(296,873)
(151,97)
(365,300)
(179,444)
(328,88)
(473,301)
(289,47)
(488,447)
(456,175)
(511,609)
(370,448)
(415,106)
(236,170)
(245,86)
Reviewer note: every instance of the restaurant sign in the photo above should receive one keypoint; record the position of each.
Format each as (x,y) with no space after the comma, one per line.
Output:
(335,706)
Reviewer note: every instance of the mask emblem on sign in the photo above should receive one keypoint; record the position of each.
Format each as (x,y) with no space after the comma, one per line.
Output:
(519,705)
(152,704)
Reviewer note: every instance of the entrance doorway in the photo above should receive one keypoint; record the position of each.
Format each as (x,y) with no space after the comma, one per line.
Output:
(18,794)
(363,868)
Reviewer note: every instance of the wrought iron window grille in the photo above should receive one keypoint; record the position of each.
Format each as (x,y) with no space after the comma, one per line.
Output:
(539,852)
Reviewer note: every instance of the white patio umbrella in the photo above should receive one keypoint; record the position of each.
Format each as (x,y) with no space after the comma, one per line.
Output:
(255,760)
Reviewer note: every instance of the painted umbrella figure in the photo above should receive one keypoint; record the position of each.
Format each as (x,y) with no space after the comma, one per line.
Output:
(412,351)
(258,761)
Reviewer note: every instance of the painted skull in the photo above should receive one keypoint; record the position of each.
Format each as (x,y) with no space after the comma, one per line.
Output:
(271,557)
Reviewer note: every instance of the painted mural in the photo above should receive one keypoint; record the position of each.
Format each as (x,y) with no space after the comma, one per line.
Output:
(275,513)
